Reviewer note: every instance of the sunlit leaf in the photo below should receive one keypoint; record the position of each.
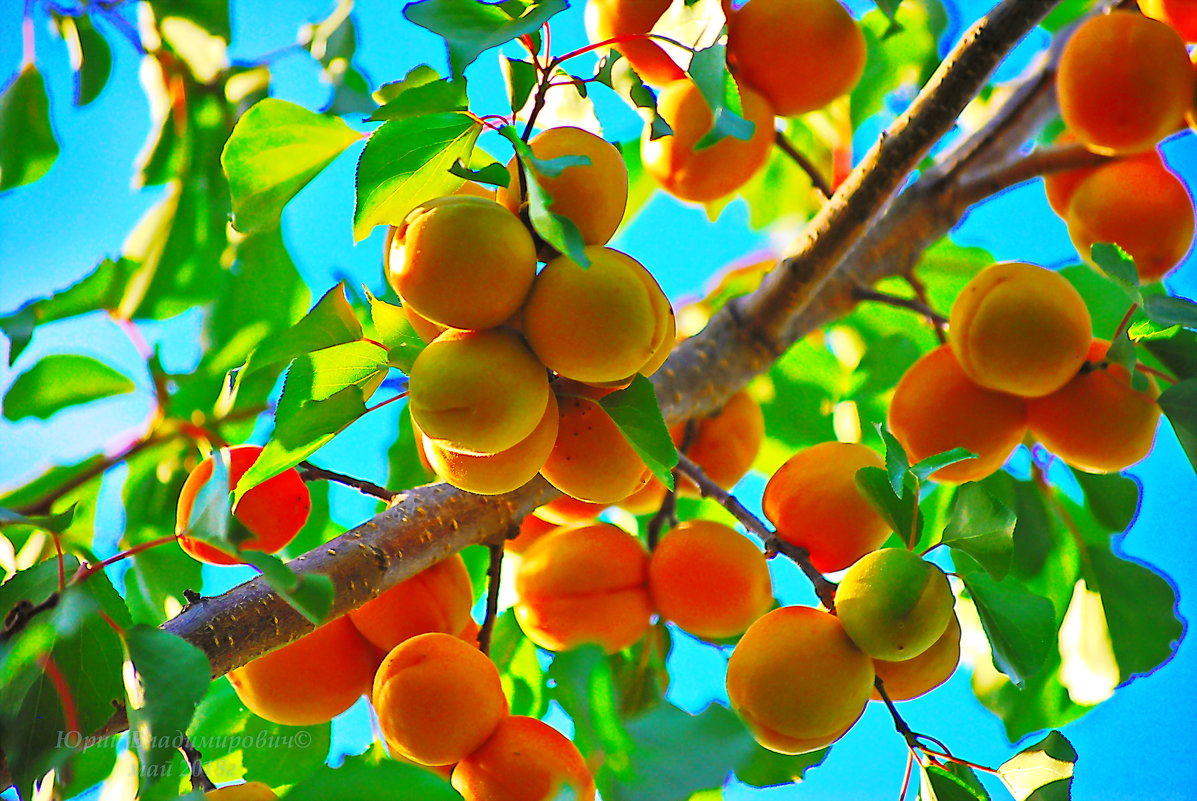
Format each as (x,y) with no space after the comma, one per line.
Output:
(59,381)
(1042,772)
(28,148)
(637,413)
(470,28)
(983,527)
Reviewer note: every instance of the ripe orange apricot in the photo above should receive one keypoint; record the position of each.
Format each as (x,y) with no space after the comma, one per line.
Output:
(664,321)
(914,677)
(480,391)
(813,501)
(688,173)
(936,408)
(274,511)
(596,324)
(709,580)
(1059,186)
(311,680)
(1020,328)
(584,584)
(248,791)
(496,473)
(591,459)
(1097,422)
(645,500)
(607,19)
(799,54)
(797,680)
(726,443)
(1138,204)
(437,598)
(1124,82)
(532,528)
(524,760)
(438,699)
(462,261)
(567,510)
(592,196)
(1180,15)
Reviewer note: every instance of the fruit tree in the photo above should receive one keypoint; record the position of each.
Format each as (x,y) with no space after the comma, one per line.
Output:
(568,399)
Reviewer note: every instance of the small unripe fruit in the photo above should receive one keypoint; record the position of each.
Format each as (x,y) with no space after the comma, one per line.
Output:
(437,599)
(797,680)
(914,677)
(1020,328)
(815,504)
(438,699)
(480,391)
(524,760)
(893,604)
(274,511)
(584,584)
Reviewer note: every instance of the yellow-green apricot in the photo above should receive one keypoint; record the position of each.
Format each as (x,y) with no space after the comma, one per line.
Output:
(928,670)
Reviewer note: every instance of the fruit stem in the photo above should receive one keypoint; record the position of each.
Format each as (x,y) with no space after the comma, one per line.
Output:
(494,575)
(817,180)
(70,712)
(614,40)
(310,472)
(865,293)
(86,571)
(195,761)
(1126,318)
(666,516)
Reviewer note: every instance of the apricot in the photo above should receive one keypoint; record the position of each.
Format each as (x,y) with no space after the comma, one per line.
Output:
(592,196)
(709,580)
(596,324)
(525,759)
(1124,82)
(894,604)
(799,54)
(496,473)
(607,19)
(425,328)
(479,391)
(1020,328)
(936,408)
(664,321)
(311,680)
(591,459)
(725,444)
(688,173)
(584,584)
(438,699)
(645,500)
(1138,204)
(797,680)
(928,670)
(1097,422)
(814,502)
(1059,186)
(462,261)
(437,599)
(1180,15)
(566,510)
(532,528)
(274,511)
(249,791)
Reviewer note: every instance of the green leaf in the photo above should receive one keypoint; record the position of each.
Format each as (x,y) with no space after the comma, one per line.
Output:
(899,514)
(1020,625)
(515,657)
(1114,262)
(1041,772)
(211,15)
(939,784)
(494,173)
(394,330)
(638,414)
(708,69)
(91,57)
(982,527)
(1141,613)
(520,78)
(310,594)
(924,468)
(370,778)
(559,232)
(28,148)
(765,768)
(407,162)
(470,28)
(60,381)
(170,678)
(896,461)
(275,149)
(1178,353)
(423,91)
(583,683)
(1112,498)
(1141,330)
(615,72)
(1168,310)
(1179,403)
(330,322)
(56,523)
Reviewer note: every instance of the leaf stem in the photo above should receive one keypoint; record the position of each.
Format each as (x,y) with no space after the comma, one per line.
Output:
(817,180)
(1126,318)
(86,571)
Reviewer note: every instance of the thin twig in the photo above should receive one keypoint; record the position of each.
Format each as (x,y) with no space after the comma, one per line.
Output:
(817,181)
(310,472)
(920,292)
(666,516)
(195,763)
(913,304)
(900,724)
(1039,162)
(494,575)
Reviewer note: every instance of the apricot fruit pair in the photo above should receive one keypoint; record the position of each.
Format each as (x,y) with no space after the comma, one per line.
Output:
(524,759)
(592,196)
(1019,328)
(584,584)
(709,580)
(815,504)
(478,391)
(936,408)
(311,680)
(438,699)
(273,512)
(1097,422)
(701,175)
(799,54)
(591,459)
(462,261)
(797,680)
(608,19)
(437,599)
(894,604)
(1124,82)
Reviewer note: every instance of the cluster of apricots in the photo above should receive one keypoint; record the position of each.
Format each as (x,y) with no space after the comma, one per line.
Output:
(1022,357)
(481,396)
(1123,107)
(788,57)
